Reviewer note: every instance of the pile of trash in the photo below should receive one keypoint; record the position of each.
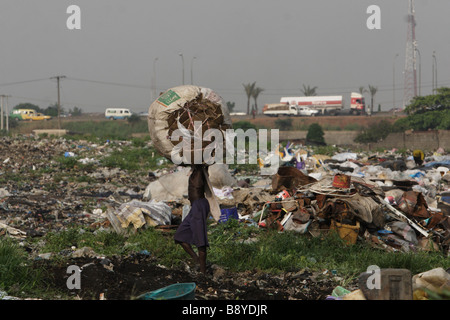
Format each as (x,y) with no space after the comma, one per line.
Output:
(383,199)
(39,193)
(357,208)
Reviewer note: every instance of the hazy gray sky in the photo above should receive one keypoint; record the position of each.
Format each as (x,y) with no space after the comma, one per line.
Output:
(280,44)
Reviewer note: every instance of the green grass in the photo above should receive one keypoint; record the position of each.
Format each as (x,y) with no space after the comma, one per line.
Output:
(325,150)
(108,242)
(111,130)
(132,158)
(17,277)
(273,251)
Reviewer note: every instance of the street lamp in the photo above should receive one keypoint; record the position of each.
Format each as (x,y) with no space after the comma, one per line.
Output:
(420,70)
(154,79)
(192,63)
(182,61)
(393,78)
(434,72)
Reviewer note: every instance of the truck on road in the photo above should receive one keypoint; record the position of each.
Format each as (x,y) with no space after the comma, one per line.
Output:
(283,109)
(357,103)
(327,104)
(279,109)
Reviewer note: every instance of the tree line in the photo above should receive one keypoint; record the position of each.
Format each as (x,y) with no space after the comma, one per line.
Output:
(431,112)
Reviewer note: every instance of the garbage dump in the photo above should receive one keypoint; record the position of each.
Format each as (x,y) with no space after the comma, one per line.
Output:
(381,199)
(39,194)
(376,198)
(50,184)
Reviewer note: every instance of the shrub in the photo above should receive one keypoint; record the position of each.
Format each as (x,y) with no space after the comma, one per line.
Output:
(375,132)
(315,134)
(285,124)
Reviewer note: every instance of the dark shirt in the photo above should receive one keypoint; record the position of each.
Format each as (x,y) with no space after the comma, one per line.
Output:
(197,184)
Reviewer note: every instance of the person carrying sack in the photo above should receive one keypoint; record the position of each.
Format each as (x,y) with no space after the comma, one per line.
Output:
(193,229)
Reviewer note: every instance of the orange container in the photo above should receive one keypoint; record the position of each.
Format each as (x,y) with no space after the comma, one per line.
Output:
(341,181)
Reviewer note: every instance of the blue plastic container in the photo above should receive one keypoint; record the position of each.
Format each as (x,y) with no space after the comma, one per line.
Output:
(178,291)
(226,214)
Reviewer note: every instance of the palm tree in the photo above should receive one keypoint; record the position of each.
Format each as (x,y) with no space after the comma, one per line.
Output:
(230,106)
(373,90)
(308,91)
(249,91)
(362,90)
(255,93)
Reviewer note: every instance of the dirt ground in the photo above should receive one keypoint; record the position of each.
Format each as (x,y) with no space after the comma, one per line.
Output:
(126,278)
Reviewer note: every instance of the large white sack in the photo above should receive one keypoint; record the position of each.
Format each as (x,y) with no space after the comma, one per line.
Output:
(220,176)
(169,187)
(178,108)
(174,186)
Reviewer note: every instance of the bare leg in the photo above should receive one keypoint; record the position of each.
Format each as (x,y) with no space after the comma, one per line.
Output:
(202,259)
(187,247)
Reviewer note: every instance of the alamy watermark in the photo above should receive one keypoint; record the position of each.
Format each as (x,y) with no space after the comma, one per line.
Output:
(374,280)
(229,146)
(374,20)
(73,22)
(74,280)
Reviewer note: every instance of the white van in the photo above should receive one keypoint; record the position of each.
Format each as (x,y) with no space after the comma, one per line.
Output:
(117,113)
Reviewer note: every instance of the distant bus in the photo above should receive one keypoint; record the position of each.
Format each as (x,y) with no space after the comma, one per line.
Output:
(117,113)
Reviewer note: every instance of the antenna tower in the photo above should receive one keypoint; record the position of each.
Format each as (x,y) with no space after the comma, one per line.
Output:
(410,87)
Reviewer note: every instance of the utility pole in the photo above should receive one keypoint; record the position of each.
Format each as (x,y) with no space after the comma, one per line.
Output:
(393,80)
(192,63)
(4,112)
(1,113)
(182,61)
(434,74)
(154,96)
(58,78)
(7,115)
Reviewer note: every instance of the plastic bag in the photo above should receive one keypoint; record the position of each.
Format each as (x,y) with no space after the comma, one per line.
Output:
(140,213)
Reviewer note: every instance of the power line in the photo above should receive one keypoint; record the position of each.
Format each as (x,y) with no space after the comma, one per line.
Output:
(21,82)
(110,83)
(52,101)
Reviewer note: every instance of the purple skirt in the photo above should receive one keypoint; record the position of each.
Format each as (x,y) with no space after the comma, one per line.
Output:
(193,228)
